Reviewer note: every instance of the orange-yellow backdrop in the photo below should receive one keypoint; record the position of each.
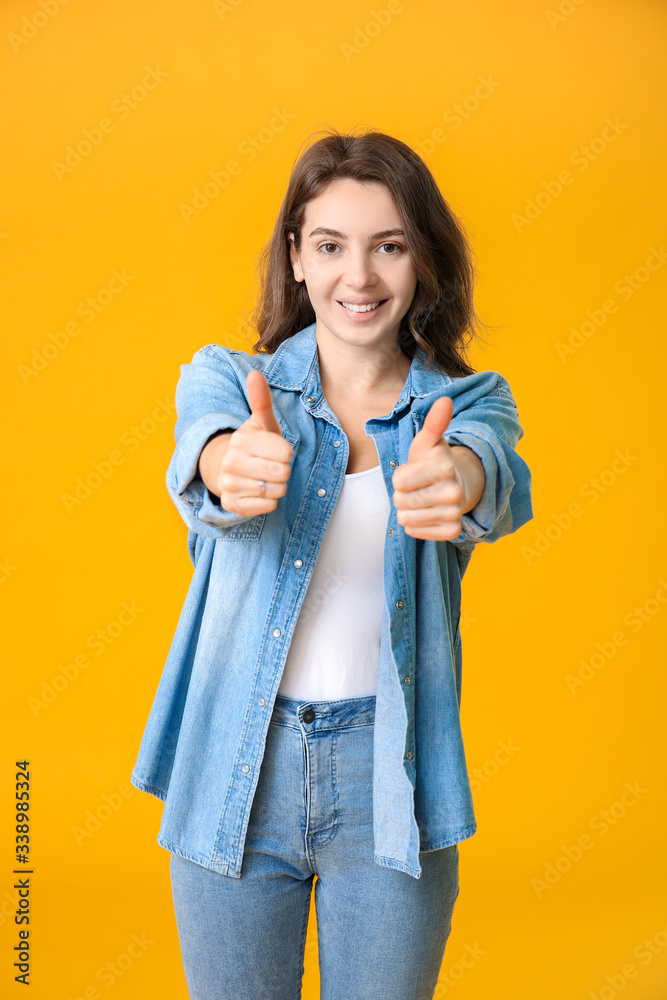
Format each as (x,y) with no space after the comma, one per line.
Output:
(545,128)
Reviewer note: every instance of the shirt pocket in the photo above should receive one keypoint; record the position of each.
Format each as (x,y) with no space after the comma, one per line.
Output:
(251,529)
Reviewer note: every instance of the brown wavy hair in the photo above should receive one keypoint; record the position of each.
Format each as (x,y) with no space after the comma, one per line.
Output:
(441,318)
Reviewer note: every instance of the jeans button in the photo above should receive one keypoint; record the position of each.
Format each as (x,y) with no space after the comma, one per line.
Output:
(308,715)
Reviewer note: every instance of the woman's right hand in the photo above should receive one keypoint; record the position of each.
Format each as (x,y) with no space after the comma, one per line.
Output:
(234,463)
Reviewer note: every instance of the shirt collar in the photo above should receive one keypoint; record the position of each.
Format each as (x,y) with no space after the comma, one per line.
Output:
(295,366)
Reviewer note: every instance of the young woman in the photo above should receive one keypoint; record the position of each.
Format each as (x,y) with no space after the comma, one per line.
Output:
(306,727)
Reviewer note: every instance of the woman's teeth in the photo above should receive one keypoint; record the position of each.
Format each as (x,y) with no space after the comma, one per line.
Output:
(359,309)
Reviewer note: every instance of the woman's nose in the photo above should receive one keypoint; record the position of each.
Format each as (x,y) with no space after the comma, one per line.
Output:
(359,270)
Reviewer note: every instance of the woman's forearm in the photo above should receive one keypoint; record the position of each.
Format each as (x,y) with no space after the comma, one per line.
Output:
(472,473)
(210,458)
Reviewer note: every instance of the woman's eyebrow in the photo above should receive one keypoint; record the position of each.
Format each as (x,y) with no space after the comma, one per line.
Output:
(323,231)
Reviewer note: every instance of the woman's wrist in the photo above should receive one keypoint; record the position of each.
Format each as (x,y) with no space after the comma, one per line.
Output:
(472,473)
(210,458)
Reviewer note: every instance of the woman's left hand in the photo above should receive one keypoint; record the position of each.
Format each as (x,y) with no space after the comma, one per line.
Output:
(430,489)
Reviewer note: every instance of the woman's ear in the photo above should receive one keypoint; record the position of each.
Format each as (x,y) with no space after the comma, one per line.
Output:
(294,258)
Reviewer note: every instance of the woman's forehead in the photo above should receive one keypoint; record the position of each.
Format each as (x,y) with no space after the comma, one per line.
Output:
(349,207)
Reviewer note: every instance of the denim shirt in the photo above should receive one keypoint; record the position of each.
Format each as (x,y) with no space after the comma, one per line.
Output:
(204,739)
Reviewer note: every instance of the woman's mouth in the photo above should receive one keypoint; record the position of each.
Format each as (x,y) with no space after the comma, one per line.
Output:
(361,312)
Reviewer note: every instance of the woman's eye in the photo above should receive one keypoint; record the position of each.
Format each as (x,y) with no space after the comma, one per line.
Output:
(393,253)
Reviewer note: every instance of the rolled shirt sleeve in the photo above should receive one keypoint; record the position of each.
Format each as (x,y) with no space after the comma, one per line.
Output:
(209,398)
(488,423)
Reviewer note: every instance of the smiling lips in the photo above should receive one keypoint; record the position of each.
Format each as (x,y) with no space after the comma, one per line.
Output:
(362,307)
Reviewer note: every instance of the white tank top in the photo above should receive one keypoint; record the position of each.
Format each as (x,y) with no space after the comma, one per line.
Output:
(335,648)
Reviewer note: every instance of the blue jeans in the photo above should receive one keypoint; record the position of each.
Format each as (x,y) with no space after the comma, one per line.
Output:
(381,932)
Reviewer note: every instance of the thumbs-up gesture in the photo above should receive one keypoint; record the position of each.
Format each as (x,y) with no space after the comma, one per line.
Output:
(255,467)
(429,489)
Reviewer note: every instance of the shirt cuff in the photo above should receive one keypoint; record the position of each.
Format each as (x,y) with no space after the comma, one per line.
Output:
(505,501)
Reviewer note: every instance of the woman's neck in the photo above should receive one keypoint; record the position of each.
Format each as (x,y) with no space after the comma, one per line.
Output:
(351,376)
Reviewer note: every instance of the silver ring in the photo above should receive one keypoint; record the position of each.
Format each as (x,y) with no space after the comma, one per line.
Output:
(262,487)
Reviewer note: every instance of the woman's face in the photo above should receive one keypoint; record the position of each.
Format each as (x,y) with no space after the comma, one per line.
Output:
(353,251)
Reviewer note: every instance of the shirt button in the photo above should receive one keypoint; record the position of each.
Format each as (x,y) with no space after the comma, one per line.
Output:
(399,604)
(407,680)
(277,632)
(298,563)
(310,399)
(261,701)
(308,715)
(391,531)
(336,444)
(408,755)
(321,492)
(393,463)
(246,768)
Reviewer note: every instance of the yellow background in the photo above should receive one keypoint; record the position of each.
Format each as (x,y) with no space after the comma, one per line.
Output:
(528,618)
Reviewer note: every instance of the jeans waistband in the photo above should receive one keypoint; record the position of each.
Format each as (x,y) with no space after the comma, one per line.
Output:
(337,714)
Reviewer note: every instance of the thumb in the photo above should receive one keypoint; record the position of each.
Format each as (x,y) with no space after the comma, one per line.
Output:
(435,424)
(261,403)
